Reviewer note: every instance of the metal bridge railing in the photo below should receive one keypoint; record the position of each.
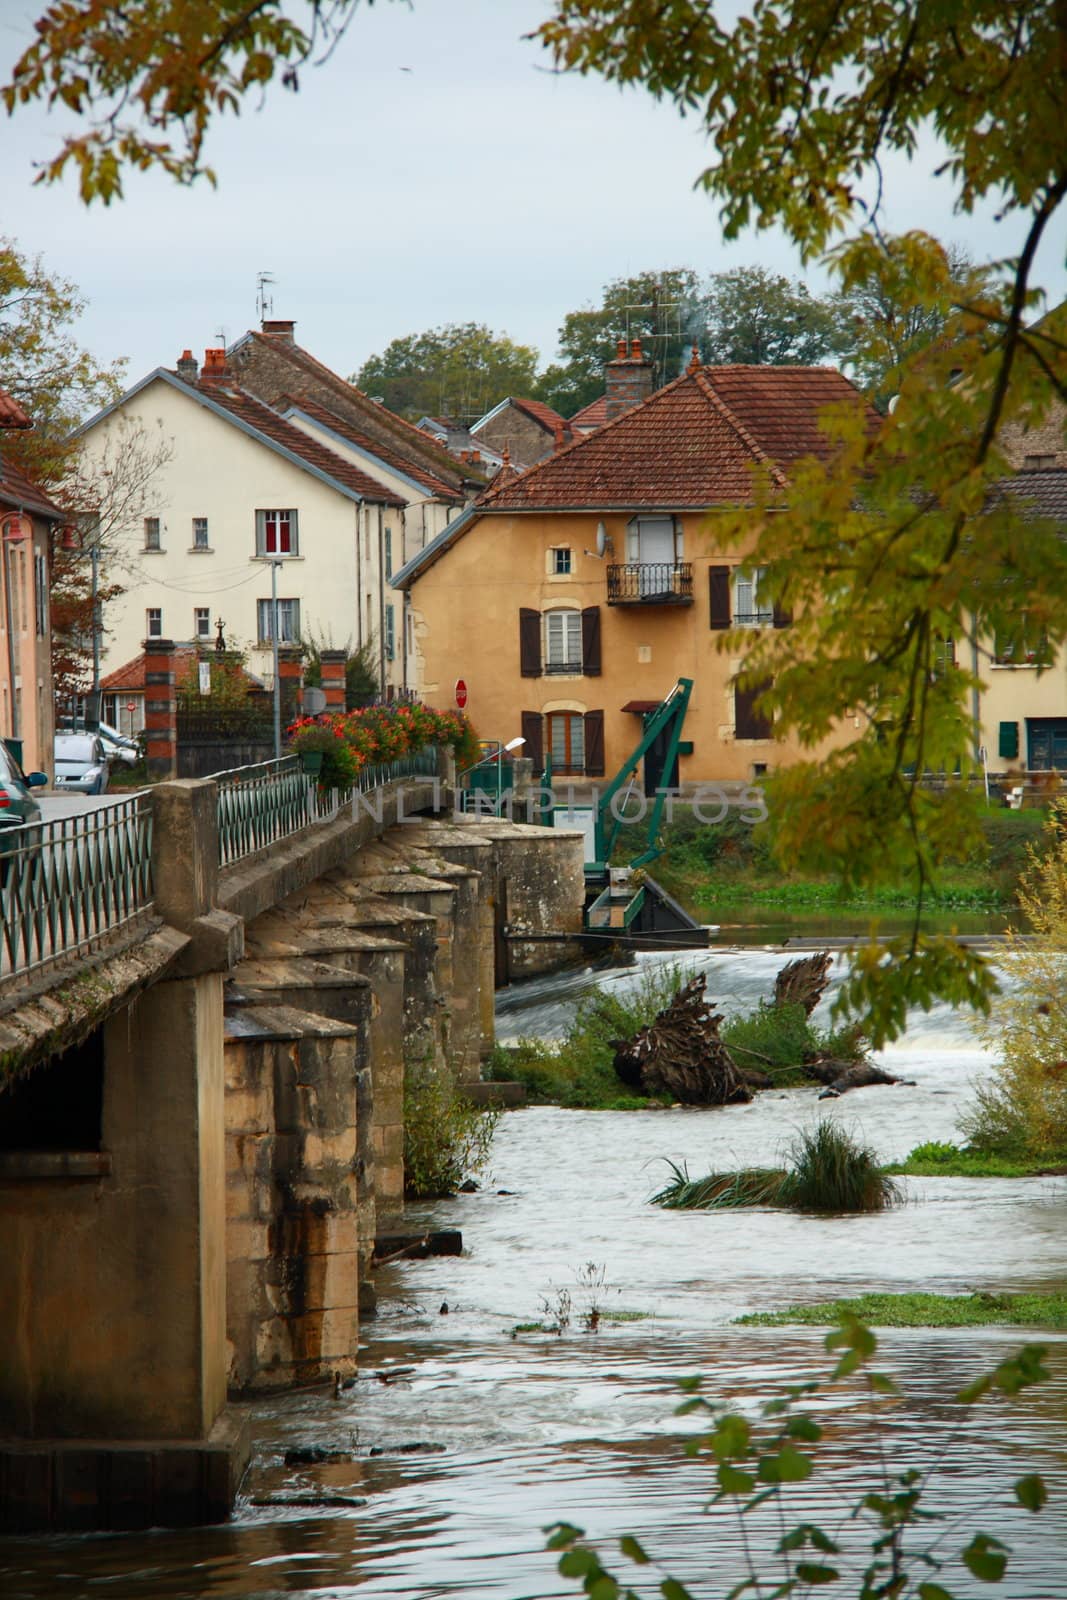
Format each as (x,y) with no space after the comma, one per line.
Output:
(68,885)
(261,805)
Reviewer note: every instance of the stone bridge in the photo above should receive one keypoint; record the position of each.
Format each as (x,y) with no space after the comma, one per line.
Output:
(212,997)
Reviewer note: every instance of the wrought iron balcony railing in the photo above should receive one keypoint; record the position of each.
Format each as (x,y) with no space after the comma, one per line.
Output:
(650,583)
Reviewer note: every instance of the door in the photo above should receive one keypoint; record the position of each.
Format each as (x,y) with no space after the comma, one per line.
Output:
(650,543)
(1046,740)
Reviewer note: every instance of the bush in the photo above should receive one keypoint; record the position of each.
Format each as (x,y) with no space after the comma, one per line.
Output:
(829,1172)
(1022,1110)
(446,1139)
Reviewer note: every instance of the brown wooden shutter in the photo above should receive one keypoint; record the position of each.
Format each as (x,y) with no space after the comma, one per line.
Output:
(529,643)
(748,722)
(719,586)
(783,617)
(594,742)
(591,641)
(533,749)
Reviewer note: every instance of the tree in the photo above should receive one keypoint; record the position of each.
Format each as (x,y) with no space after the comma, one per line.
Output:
(458,372)
(661,308)
(899,540)
(761,318)
(883,328)
(53,378)
(106,497)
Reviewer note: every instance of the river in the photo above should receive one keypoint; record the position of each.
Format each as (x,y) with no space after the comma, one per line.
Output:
(528,1428)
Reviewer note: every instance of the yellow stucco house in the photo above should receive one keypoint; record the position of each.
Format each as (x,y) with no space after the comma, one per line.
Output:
(570,598)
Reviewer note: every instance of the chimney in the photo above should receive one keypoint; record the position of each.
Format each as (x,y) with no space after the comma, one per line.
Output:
(279,330)
(214,369)
(627,380)
(187,367)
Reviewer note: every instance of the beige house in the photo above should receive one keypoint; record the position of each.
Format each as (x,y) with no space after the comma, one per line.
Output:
(27,520)
(572,597)
(247,494)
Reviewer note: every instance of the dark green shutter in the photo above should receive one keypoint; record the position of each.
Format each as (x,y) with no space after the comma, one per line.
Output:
(1009,741)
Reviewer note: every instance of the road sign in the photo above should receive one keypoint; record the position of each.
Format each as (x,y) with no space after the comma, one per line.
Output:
(131,705)
(205,677)
(461,693)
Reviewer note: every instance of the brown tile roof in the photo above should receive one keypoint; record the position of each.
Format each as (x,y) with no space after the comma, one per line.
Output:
(257,415)
(693,443)
(131,674)
(11,413)
(363,441)
(1043,492)
(594,415)
(543,415)
(17,490)
(380,423)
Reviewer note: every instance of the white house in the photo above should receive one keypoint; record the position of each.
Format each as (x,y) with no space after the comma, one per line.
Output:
(247,493)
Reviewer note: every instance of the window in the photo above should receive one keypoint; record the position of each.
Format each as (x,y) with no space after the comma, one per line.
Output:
(40,593)
(288,621)
(390,633)
(202,622)
(200,533)
(566,741)
(388,557)
(151,533)
(1039,463)
(153,623)
(561,560)
(276,533)
(563,641)
(1022,646)
(748,612)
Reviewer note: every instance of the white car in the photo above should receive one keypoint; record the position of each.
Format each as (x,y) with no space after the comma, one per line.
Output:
(81,763)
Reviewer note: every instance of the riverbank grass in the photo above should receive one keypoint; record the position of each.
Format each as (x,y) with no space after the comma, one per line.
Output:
(829,1172)
(922,1310)
(937,1160)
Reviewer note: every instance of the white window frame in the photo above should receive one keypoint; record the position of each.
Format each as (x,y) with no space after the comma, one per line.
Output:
(562,561)
(562,640)
(264,519)
(198,543)
(153,533)
(151,632)
(201,614)
(744,599)
(288,620)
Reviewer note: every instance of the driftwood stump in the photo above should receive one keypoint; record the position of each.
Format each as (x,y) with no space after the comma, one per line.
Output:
(803,982)
(838,1077)
(680,1054)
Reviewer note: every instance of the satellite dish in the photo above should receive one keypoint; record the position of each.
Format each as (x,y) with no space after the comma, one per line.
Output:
(601,538)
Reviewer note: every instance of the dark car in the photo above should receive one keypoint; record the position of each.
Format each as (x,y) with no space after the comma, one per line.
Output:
(17,805)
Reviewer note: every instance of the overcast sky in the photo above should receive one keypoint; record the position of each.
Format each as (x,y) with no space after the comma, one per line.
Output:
(434,171)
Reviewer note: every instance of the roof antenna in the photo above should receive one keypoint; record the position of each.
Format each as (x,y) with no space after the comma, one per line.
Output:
(264,301)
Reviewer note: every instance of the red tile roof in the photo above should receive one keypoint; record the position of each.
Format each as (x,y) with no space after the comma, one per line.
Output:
(543,415)
(16,490)
(257,415)
(693,443)
(594,415)
(363,441)
(410,441)
(11,413)
(131,674)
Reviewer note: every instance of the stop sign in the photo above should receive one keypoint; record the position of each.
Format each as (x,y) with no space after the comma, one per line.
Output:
(461,693)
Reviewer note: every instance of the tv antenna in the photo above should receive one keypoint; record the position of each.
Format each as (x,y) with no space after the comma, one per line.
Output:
(264,301)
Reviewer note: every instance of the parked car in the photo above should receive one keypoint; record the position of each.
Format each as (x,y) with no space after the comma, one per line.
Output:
(81,764)
(18,808)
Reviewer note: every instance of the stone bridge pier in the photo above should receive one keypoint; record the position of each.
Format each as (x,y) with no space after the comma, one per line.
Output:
(202,1133)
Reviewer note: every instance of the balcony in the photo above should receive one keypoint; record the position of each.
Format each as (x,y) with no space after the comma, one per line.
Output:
(650,583)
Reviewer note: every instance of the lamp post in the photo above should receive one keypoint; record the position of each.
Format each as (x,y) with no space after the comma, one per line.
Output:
(274,657)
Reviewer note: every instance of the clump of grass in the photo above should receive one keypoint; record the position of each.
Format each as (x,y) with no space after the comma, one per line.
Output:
(937,1159)
(922,1310)
(829,1172)
(446,1138)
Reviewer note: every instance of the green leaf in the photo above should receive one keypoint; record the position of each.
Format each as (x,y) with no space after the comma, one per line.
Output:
(577,1563)
(733,1481)
(1031,1492)
(731,1438)
(630,1548)
(603,1588)
(561,1534)
(933,1591)
(986,1557)
(881,1383)
(805,1428)
(671,1589)
(812,1572)
(788,1465)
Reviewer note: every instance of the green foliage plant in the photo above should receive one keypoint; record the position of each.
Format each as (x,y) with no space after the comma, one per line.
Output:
(938,1159)
(1022,1110)
(829,1172)
(917,1309)
(891,1543)
(446,1139)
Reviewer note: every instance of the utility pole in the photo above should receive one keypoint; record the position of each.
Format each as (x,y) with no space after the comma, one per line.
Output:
(274,656)
(94,552)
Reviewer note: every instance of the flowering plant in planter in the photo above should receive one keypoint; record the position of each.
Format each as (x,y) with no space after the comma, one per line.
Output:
(373,735)
(339,767)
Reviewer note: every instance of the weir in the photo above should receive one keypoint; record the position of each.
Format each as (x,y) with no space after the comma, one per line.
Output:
(201,1121)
